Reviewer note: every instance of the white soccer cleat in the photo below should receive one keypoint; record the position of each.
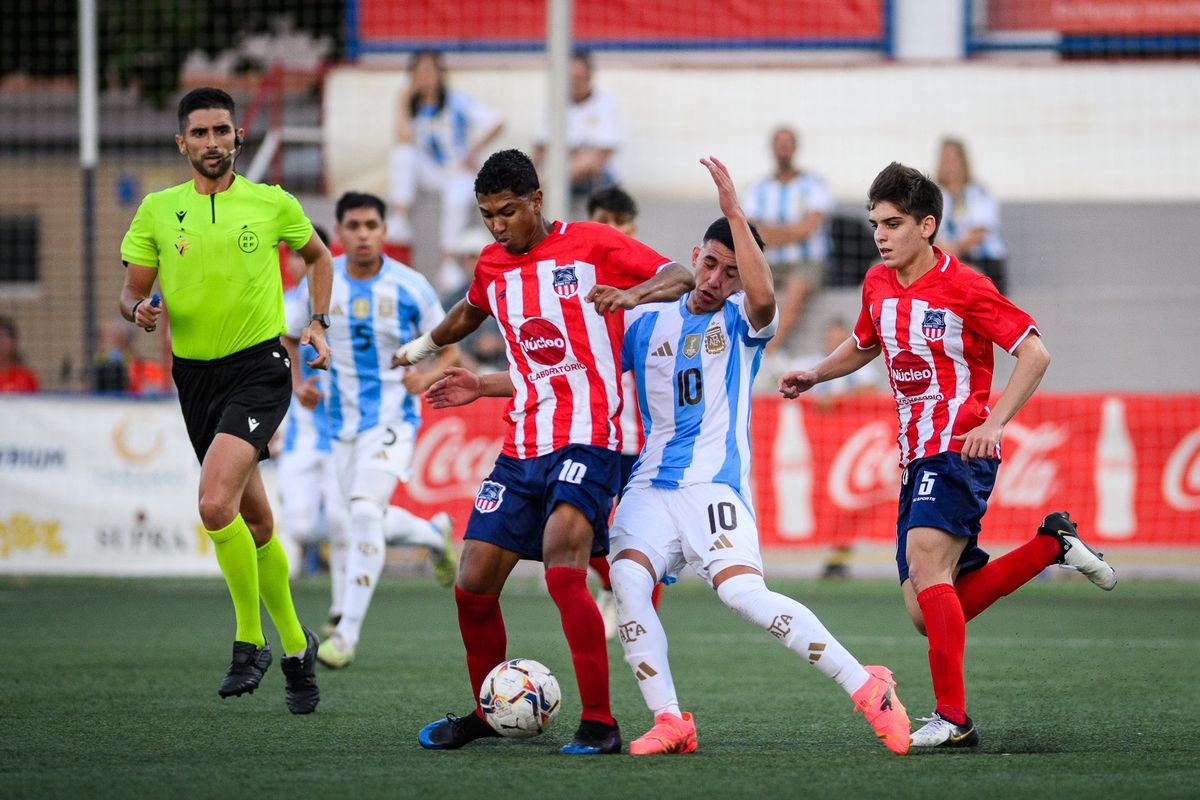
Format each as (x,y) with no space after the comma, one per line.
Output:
(334,653)
(1076,554)
(940,732)
(607,603)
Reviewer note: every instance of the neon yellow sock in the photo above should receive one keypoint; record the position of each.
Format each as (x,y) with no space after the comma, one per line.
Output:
(276,595)
(234,547)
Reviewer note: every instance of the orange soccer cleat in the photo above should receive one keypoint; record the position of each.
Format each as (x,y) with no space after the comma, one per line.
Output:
(670,734)
(878,701)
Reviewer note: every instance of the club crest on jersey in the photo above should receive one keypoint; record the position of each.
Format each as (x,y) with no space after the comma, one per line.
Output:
(491,495)
(691,345)
(933,327)
(714,341)
(566,283)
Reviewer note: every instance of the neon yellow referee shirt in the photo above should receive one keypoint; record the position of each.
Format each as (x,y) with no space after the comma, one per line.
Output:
(217,257)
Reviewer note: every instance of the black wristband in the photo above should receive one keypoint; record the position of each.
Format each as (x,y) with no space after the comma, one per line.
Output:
(133,313)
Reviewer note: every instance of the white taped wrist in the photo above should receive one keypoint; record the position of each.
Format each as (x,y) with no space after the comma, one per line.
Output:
(419,349)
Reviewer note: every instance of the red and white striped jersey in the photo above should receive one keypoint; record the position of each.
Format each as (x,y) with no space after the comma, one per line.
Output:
(937,337)
(563,357)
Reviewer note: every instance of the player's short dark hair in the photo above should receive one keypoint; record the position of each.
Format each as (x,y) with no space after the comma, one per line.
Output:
(910,191)
(507,170)
(322,234)
(351,200)
(202,98)
(720,231)
(615,201)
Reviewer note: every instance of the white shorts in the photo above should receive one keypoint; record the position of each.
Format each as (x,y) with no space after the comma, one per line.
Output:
(698,526)
(385,449)
(307,483)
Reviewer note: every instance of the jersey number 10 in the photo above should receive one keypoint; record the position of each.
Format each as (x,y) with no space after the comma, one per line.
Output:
(689,387)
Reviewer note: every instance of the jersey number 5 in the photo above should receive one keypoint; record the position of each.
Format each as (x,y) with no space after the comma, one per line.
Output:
(361,333)
(689,387)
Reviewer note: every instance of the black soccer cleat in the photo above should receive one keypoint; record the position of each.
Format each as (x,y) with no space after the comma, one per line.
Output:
(593,739)
(249,664)
(453,732)
(300,673)
(1075,553)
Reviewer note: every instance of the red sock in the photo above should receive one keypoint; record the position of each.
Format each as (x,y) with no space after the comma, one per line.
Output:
(482,627)
(947,632)
(979,589)
(600,565)
(657,593)
(584,628)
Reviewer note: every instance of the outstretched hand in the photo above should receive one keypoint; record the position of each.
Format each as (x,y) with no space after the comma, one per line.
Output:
(794,384)
(726,194)
(457,387)
(608,299)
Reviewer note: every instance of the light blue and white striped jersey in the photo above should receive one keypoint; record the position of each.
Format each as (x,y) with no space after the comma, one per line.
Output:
(693,375)
(304,429)
(368,320)
(772,202)
(447,136)
(975,209)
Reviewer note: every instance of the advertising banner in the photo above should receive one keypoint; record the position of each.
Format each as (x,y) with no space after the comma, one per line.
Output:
(658,23)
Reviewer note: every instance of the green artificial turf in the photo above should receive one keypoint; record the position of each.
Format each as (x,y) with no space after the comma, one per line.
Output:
(109,690)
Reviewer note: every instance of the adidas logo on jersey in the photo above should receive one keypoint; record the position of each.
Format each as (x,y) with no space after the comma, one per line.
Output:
(663,350)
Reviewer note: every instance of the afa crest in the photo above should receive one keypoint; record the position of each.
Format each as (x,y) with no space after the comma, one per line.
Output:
(933,326)
(490,496)
(714,341)
(566,282)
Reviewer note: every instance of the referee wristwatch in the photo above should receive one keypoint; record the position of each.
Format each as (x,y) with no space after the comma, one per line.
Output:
(321,318)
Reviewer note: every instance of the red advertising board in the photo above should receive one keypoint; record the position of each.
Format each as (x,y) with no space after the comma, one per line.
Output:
(1126,466)
(1095,16)
(657,22)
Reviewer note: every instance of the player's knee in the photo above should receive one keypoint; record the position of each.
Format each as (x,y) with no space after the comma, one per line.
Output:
(632,583)
(215,512)
(744,595)
(366,517)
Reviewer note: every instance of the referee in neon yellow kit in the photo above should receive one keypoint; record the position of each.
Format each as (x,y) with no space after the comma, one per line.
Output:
(212,245)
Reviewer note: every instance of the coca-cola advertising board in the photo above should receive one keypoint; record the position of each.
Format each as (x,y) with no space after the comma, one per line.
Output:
(1127,467)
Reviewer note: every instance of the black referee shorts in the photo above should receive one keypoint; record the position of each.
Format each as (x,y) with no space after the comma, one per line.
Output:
(245,394)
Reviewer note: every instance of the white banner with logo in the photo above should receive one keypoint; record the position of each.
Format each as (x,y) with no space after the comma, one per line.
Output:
(98,487)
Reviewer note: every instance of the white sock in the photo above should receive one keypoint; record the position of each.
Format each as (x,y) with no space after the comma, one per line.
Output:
(401,526)
(339,547)
(795,626)
(364,565)
(642,635)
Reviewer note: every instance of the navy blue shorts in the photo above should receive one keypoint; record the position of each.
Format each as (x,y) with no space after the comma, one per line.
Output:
(949,494)
(514,502)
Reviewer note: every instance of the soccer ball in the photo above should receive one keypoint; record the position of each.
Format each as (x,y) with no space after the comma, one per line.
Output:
(520,698)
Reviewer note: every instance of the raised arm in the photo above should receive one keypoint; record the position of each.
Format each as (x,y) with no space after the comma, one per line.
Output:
(752,264)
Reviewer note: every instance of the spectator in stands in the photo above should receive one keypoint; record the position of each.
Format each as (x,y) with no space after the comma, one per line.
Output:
(791,209)
(116,368)
(970,217)
(440,135)
(594,133)
(14,375)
